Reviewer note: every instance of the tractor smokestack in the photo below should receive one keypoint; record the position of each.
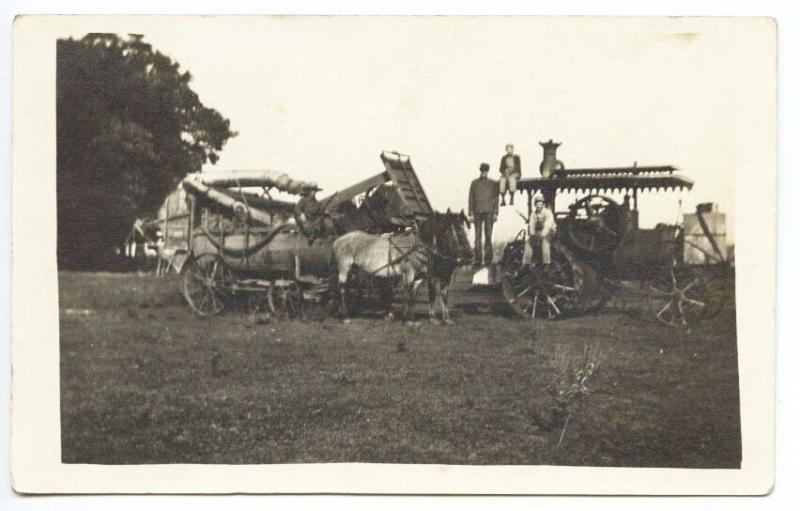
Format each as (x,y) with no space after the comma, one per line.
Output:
(550,164)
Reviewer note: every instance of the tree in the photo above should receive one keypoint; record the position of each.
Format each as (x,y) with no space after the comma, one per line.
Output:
(129,128)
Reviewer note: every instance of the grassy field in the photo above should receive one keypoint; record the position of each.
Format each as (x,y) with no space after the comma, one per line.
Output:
(143,380)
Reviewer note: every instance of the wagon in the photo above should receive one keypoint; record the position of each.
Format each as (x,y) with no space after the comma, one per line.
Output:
(681,270)
(244,243)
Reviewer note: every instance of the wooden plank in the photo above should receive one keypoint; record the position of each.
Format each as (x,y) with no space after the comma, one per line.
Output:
(420,192)
(401,172)
(415,193)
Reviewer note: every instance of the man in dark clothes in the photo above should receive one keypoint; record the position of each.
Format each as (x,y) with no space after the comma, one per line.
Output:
(510,172)
(483,197)
(310,214)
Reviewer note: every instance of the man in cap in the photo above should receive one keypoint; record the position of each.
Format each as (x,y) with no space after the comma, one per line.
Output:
(483,207)
(309,213)
(510,172)
(541,228)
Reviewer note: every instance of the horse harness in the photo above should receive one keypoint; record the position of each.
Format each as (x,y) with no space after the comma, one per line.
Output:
(429,251)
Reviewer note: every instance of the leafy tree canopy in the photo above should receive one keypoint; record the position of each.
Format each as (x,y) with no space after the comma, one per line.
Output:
(129,127)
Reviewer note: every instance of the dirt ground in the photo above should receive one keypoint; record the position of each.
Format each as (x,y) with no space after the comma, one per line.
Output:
(143,380)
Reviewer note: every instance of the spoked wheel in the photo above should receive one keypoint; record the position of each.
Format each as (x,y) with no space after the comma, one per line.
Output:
(595,224)
(207,284)
(286,300)
(682,296)
(535,291)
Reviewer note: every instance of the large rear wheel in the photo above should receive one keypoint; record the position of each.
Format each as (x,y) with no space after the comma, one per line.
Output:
(207,284)
(683,296)
(537,291)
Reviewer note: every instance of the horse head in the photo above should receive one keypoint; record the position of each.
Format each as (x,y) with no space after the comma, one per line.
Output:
(461,225)
(447,234)
(465,219)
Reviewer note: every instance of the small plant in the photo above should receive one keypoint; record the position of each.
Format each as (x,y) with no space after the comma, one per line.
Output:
(573,372)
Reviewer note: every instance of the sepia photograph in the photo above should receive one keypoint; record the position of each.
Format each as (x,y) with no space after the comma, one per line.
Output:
(463,241)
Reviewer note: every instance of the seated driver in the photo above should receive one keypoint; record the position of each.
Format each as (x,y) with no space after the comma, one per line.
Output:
(310,214)
(541,230)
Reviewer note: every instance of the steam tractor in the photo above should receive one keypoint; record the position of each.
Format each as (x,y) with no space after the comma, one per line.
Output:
(599,245)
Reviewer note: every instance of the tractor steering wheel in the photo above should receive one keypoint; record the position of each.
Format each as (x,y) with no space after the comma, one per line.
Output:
(595,224)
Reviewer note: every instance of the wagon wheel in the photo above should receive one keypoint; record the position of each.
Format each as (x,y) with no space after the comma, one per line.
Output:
(320,300)
(681,296)
(595,224)
(207,284)
(535,291)
(286,300)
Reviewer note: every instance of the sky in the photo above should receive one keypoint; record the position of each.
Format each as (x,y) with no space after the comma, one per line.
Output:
(321,97)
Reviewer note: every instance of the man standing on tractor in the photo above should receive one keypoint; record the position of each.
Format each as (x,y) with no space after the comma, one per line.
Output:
(541,229)
(510,172)
(483,194)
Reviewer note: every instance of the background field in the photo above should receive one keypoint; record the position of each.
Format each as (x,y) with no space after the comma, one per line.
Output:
(143,380)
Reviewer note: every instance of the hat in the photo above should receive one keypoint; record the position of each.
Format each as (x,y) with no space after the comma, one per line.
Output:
(484,167)
(310,187)
(538,198)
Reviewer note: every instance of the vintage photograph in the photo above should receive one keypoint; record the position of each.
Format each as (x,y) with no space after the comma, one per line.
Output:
(409,241)
(277,262)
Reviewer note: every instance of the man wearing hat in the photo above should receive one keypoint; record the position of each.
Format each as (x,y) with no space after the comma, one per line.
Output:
(541,228)
(483,207)
(309,212)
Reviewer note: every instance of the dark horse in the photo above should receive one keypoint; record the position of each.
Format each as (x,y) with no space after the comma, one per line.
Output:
(432,250)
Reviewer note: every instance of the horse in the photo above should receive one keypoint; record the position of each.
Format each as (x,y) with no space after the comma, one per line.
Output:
(432,249)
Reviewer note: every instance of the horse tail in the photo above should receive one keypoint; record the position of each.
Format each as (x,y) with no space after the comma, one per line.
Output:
(344,253)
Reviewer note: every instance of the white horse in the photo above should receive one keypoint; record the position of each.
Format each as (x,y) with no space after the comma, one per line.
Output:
(432,250)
